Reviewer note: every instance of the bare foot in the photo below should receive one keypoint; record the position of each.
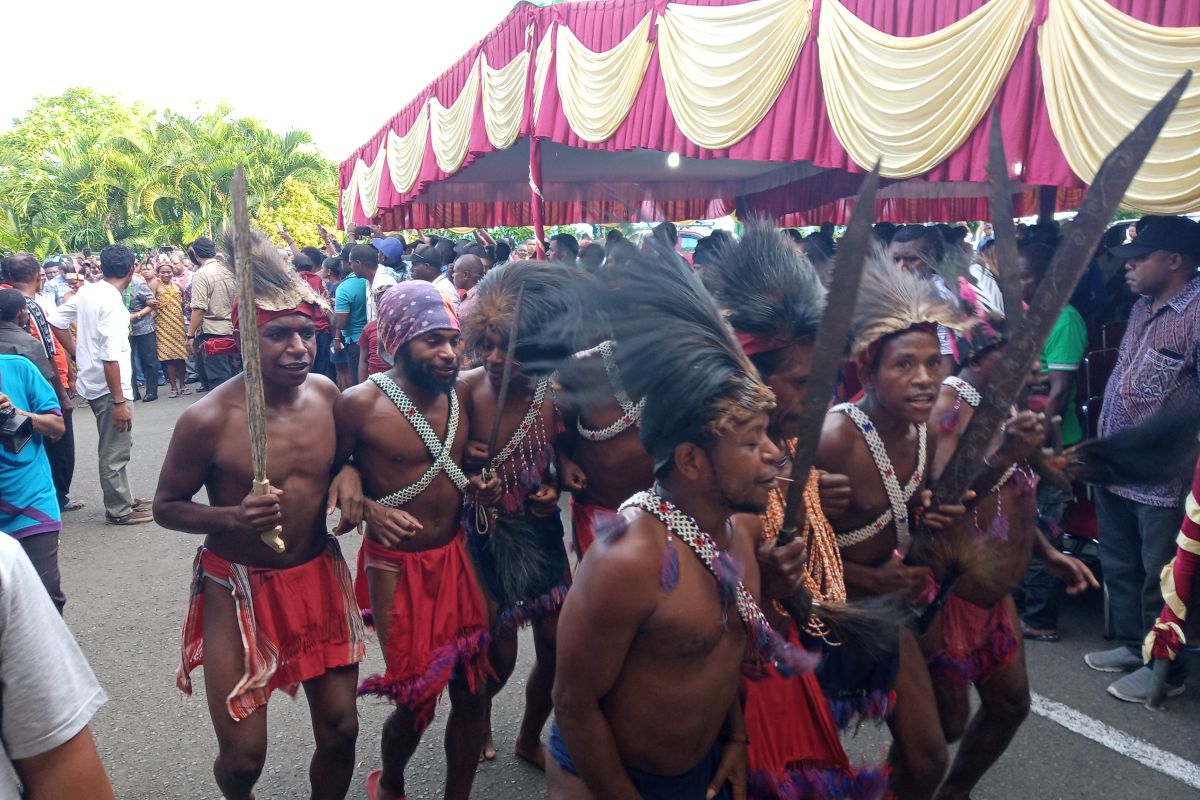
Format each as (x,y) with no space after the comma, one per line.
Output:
(535,754)
(489,750)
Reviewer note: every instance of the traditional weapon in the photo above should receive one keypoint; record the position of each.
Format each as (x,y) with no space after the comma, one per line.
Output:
(256,407)
(1066,268)
(829,351)
(482,519)
(1000,200)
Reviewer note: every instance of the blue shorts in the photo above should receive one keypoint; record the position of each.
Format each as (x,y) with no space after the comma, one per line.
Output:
(691,785)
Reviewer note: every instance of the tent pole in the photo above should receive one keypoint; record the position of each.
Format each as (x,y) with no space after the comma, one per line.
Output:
(536,199)
(1047,202)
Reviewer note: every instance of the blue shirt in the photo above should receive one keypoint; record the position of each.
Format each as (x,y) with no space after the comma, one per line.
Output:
(28,502)
(351,298)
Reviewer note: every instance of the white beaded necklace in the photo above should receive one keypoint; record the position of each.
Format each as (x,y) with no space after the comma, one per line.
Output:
(631,413)
(441,451)
(973,398)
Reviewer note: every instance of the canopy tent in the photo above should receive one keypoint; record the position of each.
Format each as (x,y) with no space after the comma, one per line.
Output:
(565,113)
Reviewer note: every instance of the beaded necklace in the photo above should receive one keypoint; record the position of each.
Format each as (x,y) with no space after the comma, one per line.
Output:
(520,463)
(766,645)
(631,413)
(897,498)
(441,451)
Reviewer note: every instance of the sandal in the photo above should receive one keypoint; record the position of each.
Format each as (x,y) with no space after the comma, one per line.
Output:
(1038,634)
(185,390)
(173,393)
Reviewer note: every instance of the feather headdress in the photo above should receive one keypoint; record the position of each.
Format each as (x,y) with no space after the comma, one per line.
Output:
(277,287)
(769,292)
(892,300)
(675,350)
(554,312)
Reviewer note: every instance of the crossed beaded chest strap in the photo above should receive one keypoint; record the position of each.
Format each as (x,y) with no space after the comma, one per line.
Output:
(973,398)
(442,460)
(531,416)
(631,412)
(897,497)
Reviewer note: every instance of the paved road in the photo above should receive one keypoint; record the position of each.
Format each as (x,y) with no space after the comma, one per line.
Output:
(127,591)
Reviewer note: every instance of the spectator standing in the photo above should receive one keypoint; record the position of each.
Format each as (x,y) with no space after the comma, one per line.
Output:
(564,249)
(141,302)
(169,334)
(48,694)
(210,334)
(56,282)
(1061,359)
(1156,366)
(23,273)
(102,354)
(349,319)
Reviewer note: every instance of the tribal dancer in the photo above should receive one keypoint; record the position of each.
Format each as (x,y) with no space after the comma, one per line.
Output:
(517,542)
(973,639)
(601,458)
(261,620)
(773,298)
(662,615)
(407,434)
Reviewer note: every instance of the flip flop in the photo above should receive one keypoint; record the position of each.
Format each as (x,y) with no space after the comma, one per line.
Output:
(1038,635)
(73,505)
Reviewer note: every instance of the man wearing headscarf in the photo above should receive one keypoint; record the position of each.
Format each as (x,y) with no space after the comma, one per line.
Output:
(261,620)
(406,434)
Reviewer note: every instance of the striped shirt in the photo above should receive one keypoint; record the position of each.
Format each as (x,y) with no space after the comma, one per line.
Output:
(1157,364)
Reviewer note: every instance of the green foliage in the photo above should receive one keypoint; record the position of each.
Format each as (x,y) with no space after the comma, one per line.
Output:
(83,170)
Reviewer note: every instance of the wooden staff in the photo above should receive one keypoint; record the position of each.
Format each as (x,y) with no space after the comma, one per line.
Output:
(482,521)
(1051,297)
(256,407)
(1005,233)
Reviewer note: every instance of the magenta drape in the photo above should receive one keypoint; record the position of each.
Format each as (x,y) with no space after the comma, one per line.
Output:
(796,128)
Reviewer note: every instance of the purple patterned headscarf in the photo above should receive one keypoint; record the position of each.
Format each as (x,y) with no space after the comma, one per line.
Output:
(411,309)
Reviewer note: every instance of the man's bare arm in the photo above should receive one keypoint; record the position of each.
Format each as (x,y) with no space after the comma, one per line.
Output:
(611,599)
(72,769)
(183,473)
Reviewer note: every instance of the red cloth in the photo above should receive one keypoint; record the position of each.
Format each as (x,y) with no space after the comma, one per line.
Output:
(262,316)
(437,626)
(977,642)
(220,346)
(583,524)
(368,342)
(752,345)
(296,624)
(1167,636)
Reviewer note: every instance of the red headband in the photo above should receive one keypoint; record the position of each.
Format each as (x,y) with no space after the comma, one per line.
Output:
(753,345)
(872,352)
(262,316)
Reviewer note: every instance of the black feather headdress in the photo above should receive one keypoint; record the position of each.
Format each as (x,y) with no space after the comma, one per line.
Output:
(555,312)
(675,350)
(768,291)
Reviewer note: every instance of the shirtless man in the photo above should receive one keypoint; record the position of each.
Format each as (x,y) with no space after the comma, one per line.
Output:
(294,610)
(517,541)
(601,458)
(406,433)
(651,651)
(973,639)
(773,298)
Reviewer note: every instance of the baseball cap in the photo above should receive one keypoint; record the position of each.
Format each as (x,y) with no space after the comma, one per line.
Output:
(1173,234)
(391,248)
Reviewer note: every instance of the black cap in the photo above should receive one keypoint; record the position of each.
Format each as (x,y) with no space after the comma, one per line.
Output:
(1173,234)
(57,261)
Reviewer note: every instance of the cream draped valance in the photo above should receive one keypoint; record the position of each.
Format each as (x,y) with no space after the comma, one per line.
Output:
(364,186)
(541,70)
(597,89)
(1102,71)
(724,66)
(406,153)
(450,128)
(912,101)
(504,100)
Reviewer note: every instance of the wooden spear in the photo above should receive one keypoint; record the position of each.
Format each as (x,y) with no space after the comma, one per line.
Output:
(256,407)
(482,522)
(1051,297)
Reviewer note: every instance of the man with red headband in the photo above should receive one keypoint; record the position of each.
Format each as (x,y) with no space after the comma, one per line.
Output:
(406,432)
(261,620)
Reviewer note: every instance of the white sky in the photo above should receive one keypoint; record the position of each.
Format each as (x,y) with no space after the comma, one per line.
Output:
(337,69)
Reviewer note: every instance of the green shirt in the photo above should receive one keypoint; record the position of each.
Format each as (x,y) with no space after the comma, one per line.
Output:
(1064,352)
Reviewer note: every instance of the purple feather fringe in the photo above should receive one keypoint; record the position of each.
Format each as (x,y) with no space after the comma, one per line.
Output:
(668,569)
(729,574)
(513,617)
(853,710)
(609,526)
(809,783)
(978,664)
(789,659)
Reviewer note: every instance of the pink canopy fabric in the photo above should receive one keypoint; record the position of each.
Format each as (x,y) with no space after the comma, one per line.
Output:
(492,187)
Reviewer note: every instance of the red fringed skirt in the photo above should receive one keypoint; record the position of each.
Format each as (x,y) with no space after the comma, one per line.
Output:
(976,642)
(437,625)
(296,624)
(583,524)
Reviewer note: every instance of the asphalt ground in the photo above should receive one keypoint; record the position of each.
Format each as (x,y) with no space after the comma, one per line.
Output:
(126,599)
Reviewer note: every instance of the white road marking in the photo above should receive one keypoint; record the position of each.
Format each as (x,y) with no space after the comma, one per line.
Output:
(1118,741)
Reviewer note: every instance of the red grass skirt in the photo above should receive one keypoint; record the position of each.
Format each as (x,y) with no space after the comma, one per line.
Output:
(438,624)
(296,624)
(583,524)
(977,642)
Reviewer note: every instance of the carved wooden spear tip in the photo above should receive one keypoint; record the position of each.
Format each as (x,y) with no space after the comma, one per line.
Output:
(829,350)
(1000,191)
(1051,297)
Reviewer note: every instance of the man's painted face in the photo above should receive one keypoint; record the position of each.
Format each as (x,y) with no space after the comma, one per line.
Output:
(907,375)
(744,466)
(288,346)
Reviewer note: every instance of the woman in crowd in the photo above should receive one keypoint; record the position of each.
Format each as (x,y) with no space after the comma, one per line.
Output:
(168,321)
